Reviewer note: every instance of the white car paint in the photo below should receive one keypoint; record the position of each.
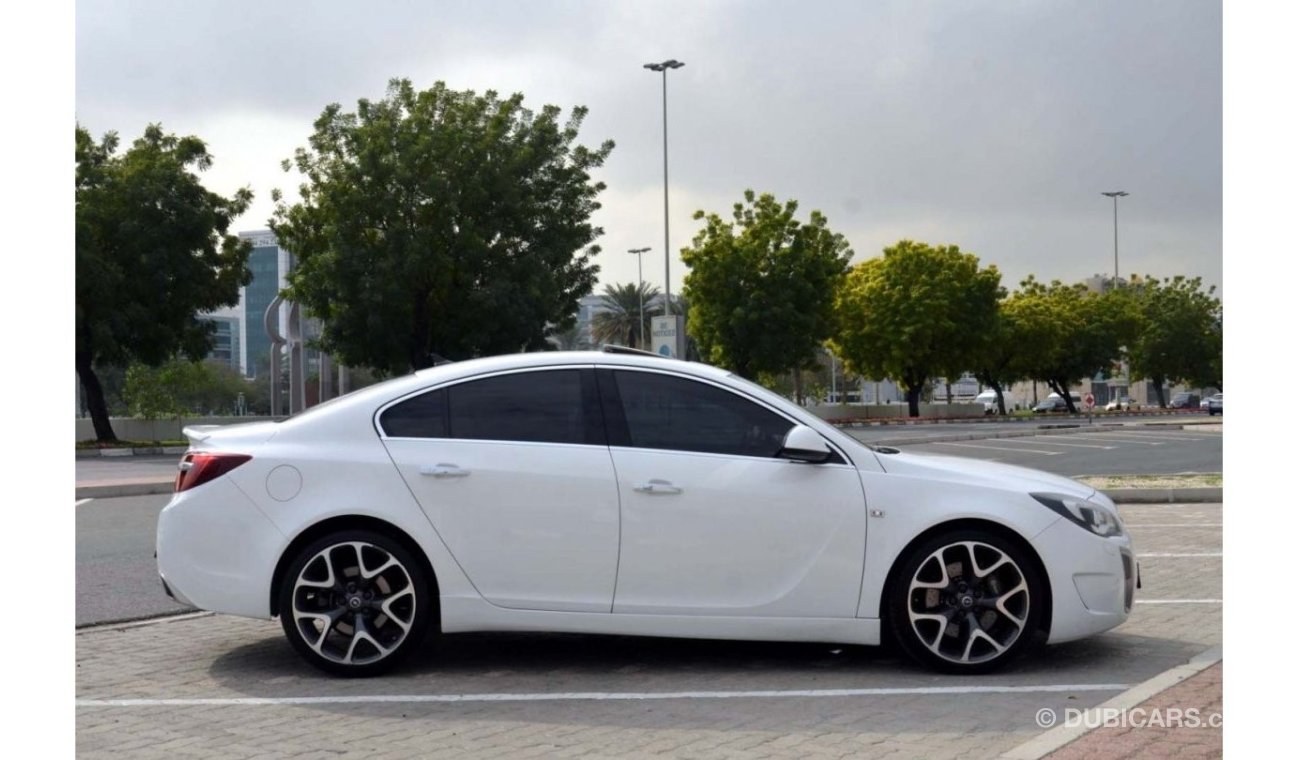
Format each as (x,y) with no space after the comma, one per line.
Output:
(559,538)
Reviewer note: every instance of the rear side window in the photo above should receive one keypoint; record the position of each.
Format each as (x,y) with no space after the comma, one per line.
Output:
(665,412)
(424,416)
(545,407)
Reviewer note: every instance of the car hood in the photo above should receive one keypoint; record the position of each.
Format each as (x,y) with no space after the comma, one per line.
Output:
(981,473)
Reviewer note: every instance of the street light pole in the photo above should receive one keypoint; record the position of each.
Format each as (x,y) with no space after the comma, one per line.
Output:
(640,293)
(663,68)
(1115,195)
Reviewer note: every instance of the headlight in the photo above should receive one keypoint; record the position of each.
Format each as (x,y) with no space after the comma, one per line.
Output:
(1083,513)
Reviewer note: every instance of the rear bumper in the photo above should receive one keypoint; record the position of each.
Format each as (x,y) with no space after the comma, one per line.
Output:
(217,551)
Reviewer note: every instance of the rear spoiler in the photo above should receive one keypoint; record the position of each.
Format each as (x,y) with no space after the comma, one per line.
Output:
(199,433)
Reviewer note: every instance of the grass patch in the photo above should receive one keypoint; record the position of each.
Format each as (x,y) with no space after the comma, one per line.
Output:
(1181,480)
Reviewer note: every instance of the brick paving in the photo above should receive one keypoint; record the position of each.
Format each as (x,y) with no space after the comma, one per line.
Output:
(225,657)
(1176,733)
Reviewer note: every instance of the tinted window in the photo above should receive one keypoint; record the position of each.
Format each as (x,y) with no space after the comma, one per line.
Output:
(526,406)
(424,416)
(665,412)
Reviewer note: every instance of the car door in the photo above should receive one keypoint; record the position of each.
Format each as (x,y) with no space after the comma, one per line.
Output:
(513,471)
(713,521)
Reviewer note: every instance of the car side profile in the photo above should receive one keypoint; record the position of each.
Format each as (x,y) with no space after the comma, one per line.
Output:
(609,493)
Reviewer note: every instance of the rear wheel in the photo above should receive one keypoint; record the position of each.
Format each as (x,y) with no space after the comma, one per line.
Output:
(354,603)
(966,602)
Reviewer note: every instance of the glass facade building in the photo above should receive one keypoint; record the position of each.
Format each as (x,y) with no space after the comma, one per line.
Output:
(264,262)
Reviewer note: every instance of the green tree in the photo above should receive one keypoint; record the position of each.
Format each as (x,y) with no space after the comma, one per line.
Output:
(915,313)
(761,286)
(1180,338)
(153,251)
(996,363)
(441,222)
(620,321)
(1067,333)
(180,387)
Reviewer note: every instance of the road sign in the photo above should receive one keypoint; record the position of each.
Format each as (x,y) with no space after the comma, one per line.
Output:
(1089,401)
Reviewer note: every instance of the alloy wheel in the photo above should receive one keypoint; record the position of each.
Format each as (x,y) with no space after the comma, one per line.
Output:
(968,602)
(353,603)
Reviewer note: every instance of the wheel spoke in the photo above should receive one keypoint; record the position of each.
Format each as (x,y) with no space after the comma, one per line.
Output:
(943,570)
(331,578)
(362,633)
(387,607)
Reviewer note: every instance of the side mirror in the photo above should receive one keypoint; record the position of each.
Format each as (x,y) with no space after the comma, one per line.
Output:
(803,444)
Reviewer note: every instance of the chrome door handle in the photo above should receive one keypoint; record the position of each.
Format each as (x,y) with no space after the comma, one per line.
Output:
(656,486)
(443,470)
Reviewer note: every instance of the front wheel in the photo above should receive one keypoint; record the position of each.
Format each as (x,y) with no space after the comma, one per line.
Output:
(966,602)
(354,603)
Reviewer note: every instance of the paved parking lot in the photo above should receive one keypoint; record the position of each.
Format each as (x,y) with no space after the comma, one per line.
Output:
(1097,451)
(219,686)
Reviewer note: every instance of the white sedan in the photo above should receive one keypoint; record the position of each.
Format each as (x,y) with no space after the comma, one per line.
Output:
(612,493)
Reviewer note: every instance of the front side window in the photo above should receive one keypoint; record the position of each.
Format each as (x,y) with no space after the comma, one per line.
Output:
(666,412)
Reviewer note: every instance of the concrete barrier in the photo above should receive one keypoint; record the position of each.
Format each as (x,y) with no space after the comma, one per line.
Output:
(883,411)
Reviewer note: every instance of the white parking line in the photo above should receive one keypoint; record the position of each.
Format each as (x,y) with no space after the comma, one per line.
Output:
(83,501)
(1178,601)
(597,696)
(998,448)
(1173,525)
(1162,436)
(1095,437)
(1177,554)
(1075,445)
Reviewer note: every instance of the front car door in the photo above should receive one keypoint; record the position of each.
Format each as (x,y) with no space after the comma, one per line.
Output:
(513,471)
(714,522)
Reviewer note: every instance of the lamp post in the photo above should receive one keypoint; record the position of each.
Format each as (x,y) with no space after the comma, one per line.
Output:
(663,68)
(640,294)
(1115,195)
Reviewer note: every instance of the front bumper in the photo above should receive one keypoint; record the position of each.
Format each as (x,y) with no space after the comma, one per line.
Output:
(1093,580)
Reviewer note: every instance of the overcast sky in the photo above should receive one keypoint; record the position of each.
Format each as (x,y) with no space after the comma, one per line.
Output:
(991,125)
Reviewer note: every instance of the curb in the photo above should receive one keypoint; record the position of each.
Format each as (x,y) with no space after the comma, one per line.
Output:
(135,451)
(1202,495)
(1056,738)
(114,490)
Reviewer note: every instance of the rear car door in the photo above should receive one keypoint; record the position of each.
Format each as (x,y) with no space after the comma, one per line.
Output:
(514,473)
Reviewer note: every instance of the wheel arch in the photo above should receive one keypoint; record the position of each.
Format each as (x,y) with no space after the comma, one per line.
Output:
(970,523)
(355,522)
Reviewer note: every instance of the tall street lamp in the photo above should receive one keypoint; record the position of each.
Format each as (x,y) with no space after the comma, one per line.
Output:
(640,293)
(664,67)
(1115,195)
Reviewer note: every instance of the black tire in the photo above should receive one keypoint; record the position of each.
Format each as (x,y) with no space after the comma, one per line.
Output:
(349,623)
(953,599)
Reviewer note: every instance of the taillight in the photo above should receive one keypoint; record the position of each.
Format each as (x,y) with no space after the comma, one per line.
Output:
(200,467)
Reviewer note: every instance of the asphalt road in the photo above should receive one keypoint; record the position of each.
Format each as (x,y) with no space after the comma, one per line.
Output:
(116,575)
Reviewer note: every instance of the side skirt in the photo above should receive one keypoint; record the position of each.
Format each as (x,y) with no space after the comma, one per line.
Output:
(461,615)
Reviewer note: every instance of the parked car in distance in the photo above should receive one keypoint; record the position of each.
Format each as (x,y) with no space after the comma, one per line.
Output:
(609,493)
(1122,404)
(1214,404)
(990,401)
(1054,403)
(1185,400)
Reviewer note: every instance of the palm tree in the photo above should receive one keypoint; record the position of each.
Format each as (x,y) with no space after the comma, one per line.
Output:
(571,339)
(620,312)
